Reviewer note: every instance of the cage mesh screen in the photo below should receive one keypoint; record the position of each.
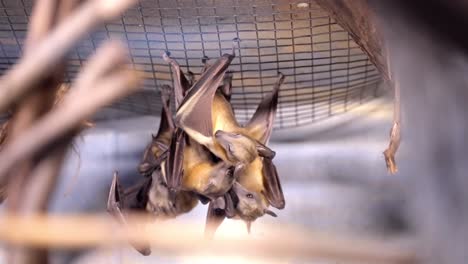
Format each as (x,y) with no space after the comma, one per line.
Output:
(326,72)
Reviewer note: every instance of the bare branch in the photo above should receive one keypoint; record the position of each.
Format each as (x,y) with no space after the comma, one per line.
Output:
(82,102)
(86,230)
(21,78)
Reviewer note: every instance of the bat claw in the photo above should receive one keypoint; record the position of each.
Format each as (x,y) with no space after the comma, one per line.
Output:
(166,92)
(280,75)
(167,57)
(235,44)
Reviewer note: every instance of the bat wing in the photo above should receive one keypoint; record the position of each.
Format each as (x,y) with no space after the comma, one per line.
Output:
(272,184)
(226,88)
(116,205)
(166,125)
(115,202)
(149,162)
(181,84)
(261,123)
(166,128)
(175,161)
(136,196)
(194,113)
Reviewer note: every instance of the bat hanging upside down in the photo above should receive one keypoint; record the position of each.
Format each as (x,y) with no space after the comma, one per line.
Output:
(233,169)
(193,167)
(206,115)
(151,193)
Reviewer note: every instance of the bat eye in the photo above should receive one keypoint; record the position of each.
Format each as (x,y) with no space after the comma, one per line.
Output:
(249,195)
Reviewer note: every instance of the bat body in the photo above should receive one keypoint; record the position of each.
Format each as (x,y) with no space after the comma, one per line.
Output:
(206,116)
(193,167)
(204,174)
(257,184)
(151,194)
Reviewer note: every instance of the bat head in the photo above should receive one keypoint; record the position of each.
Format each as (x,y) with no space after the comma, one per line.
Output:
(249,205)
(220,180)
(238,147)
(150,157)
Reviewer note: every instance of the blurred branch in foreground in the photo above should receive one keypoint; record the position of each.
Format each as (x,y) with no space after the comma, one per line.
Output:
(42,128)
(83,231)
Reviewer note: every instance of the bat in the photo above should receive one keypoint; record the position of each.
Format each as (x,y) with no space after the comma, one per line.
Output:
(191,167)
(207,117)
(151,194)
(157,151)
(206,93)
(257,184)
(120,202)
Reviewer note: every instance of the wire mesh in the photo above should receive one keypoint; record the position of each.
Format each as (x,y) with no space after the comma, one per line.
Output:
(326,72)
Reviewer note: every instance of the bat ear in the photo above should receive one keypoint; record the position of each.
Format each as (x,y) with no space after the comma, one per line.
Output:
(268,212)
(264,151)
(233,196)
(230,209)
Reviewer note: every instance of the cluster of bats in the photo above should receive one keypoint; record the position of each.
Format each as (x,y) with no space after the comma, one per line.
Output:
(204,154)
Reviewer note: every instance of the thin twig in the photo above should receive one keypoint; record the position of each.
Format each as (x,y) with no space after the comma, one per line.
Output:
(395,132)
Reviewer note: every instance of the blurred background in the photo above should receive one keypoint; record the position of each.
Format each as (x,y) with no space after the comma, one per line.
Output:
(332,124)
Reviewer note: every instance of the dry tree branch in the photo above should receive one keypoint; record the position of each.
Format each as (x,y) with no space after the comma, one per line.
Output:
(85,231)
(90,94)
(51,51)
(395,135)
(34,105)
(42,181)
(33,88)
(39,101)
